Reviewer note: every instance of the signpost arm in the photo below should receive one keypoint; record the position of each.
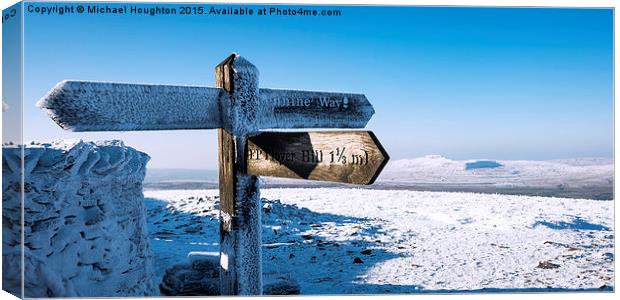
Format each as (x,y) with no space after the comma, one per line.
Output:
(240,207)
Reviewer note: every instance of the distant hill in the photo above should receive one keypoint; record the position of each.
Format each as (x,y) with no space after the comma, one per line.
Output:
(591,178)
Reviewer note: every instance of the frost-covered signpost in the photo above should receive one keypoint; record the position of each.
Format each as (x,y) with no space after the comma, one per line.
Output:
(240,110)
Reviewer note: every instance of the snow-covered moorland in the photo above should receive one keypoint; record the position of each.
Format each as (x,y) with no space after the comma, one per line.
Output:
(337,240)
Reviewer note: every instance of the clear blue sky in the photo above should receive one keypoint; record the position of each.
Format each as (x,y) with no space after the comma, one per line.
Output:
(496,83)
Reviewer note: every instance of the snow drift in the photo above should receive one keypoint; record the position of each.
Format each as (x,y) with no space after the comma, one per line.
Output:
(84,221)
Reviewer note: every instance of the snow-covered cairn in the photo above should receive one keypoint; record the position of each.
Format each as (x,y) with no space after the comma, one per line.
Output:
(85,228)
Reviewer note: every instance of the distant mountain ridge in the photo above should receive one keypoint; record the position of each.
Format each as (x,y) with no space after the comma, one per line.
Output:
(438,169)
(591,178)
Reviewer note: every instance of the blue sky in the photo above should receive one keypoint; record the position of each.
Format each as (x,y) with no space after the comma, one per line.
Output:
(496,83)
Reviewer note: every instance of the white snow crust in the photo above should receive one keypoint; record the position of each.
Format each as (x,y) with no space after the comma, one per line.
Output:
(84,228)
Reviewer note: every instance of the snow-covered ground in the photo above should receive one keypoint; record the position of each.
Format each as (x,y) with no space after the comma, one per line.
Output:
(337,240)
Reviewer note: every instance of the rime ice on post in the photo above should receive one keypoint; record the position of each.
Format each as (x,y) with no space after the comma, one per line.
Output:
(239,109)
(240,209)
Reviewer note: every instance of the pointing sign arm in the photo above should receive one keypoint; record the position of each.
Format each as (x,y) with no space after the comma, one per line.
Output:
(347,156)
(307,109)
(103,106)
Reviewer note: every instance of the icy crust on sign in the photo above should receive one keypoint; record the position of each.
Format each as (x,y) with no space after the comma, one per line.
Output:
(106,106)
(85,228)
(287,107)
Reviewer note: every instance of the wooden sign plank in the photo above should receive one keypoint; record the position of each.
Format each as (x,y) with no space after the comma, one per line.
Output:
(103,106)
(107,106)
(308,109)
(354,157)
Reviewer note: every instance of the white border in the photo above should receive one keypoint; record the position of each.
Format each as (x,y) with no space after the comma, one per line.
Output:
(510,3)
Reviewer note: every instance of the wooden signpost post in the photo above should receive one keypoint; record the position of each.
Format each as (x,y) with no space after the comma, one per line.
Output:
(240,111)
